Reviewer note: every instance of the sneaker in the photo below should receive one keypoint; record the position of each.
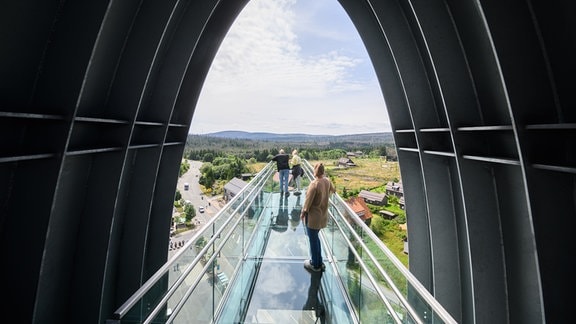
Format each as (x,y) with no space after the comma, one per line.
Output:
(297,193)
(308,265)
(287,194)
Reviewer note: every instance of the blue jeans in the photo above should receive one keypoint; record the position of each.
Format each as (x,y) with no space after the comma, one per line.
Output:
(284,175)
(315,247)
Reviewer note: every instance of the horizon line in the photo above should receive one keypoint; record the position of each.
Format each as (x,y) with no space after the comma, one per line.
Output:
(263,132)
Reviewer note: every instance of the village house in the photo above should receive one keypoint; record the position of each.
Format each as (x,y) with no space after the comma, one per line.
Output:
(387,214)
(395,189)
(373,198)
(247,176)
(345,162)
(233,187)
(359,207)
(404,228)
(355,154)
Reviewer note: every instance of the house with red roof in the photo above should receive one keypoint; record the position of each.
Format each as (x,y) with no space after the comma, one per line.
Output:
(359,207)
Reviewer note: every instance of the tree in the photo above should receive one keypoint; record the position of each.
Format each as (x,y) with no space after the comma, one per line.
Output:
(208,157)
(223,168)
(190,212)
(184,167)
(207,178)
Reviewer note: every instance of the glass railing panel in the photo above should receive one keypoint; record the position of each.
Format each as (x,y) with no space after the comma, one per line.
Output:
(258,206)
(199,305)
(143,307)
(249,223)
(337,303)
(420,306)
(338,235)
(203,285)
(397,277)
(413,303)
(367,301)
(233,249)
(259,237)
(248,243)
(170,286)
(361,292)
(187,254)
(172,272)
(397,306)
(228,259)
(238,293)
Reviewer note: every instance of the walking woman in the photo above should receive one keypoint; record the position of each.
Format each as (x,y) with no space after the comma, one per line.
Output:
(315,215)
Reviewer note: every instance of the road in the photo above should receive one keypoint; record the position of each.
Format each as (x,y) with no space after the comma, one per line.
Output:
(197,199)
(195,195)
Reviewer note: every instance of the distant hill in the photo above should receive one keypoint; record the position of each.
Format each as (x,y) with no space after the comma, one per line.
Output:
(260,145)
(371,138)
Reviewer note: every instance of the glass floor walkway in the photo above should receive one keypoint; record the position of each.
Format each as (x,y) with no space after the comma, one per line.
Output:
(246,266)
(285,292)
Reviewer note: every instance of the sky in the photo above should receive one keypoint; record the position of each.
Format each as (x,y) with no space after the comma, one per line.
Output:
(291,66)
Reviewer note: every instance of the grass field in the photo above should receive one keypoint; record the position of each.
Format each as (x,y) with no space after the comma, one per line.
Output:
(367,174)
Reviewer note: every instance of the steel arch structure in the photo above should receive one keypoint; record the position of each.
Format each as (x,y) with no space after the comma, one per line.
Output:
(96,100)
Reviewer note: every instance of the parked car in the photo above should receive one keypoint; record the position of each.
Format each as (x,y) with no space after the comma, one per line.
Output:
(201,209)
(186,186)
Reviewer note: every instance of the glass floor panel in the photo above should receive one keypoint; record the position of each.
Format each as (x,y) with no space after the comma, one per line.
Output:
(287,235)
(284,291)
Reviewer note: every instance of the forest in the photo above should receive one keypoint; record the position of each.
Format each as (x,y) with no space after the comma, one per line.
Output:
(311,147)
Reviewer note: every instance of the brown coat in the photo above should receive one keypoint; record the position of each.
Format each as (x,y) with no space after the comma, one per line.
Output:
(316,203)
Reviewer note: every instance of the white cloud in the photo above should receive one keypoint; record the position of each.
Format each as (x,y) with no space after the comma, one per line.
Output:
(260,80)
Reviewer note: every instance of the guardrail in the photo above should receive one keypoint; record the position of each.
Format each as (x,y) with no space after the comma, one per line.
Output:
(364,269)
(162,297)
(358,255)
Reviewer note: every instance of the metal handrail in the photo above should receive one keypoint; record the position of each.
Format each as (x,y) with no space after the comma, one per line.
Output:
(216,251)
(397,292)
(139,294)
(371,278)
(419,288)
